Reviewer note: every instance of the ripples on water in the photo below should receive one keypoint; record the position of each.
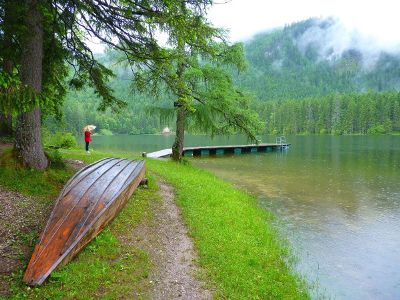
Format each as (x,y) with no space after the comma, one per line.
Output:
(337,200)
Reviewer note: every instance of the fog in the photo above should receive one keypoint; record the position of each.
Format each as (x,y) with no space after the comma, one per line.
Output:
(331,38)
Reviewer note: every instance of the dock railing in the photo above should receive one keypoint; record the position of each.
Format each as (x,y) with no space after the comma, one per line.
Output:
(281,141)
(221,150)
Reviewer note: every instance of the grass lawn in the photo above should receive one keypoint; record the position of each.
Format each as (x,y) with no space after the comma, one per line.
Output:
(240,252)
(238,247)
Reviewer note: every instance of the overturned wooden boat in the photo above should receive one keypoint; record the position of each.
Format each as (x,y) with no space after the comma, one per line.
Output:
(89,200)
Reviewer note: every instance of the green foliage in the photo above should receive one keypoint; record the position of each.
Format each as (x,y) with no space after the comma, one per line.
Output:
(55,158)
(377,129)
(59,139)
(15,99)
(106,132)
(369,113)
(122,25)
(80,109)
(300,76)
(285,64)
(222,109)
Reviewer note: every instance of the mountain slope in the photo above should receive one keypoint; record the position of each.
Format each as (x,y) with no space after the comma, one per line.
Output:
(317,57)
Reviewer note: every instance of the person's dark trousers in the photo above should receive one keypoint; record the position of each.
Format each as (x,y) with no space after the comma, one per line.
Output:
(87,146)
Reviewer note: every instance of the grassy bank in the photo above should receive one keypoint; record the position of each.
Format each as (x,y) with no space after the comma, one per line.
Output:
(238,247)
(239,250)
(43,184)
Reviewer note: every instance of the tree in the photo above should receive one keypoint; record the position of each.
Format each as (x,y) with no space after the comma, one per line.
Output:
(28,138)
(197,73)
(129,26)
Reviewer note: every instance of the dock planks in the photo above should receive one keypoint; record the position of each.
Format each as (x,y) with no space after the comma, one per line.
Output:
(218,150)
(87,203)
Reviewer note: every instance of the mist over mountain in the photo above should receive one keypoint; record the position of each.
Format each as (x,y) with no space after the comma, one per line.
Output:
(318,57)
(328,80)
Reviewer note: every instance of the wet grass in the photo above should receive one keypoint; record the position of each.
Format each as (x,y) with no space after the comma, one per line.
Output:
(110,267)
(240,253)
(42,184)
(238,247)
(95,155)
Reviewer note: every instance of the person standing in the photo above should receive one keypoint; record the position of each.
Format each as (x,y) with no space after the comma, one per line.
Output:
(87,139)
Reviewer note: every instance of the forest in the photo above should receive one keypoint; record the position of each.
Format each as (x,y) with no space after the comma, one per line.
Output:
(299,86)
(367,113)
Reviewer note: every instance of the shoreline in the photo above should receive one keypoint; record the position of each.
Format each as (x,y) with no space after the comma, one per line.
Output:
(240,252)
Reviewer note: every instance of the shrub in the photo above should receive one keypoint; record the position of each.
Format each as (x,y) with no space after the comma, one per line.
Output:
(377,129)
(134,131)
(60,140)
(55,158)
(105,132)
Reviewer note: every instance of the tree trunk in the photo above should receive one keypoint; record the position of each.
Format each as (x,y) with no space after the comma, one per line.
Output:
(177,148)
(28,141)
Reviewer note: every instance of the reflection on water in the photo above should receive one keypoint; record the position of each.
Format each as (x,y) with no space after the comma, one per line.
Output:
(338,202)
(150,143)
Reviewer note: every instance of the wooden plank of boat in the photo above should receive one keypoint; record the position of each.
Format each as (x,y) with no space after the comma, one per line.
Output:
(89,200)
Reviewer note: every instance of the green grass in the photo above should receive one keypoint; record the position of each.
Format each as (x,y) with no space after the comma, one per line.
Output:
(44,184)
(110,267)
(107,268)
(94,155)
(240,252)
(239,249)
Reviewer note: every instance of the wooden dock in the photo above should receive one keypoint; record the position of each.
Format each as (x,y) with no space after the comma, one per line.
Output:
(219,150)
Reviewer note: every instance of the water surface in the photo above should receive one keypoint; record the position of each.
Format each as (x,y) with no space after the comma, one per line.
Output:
(337,200)
(152,142)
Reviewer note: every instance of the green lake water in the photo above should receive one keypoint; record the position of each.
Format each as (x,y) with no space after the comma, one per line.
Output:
(337,201)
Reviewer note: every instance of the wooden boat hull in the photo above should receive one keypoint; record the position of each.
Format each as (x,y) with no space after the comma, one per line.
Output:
(87,203)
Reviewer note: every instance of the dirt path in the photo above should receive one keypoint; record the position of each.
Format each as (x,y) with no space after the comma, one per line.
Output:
(171,251)
(164,237)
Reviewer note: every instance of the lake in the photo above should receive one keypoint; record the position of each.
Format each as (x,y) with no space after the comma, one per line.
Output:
(336,198)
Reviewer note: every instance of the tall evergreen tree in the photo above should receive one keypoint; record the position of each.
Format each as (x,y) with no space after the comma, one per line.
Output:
(129,26)
(28,136)
(197,75)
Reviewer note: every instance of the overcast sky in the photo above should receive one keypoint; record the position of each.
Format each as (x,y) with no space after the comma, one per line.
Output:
(375,19)
(379,19)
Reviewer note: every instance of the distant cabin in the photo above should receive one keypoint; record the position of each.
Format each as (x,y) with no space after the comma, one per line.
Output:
(166,130)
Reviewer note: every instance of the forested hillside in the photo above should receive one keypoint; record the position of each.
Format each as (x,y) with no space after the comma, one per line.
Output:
(308,77)
(317,57)
(355,113)
(81,106)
